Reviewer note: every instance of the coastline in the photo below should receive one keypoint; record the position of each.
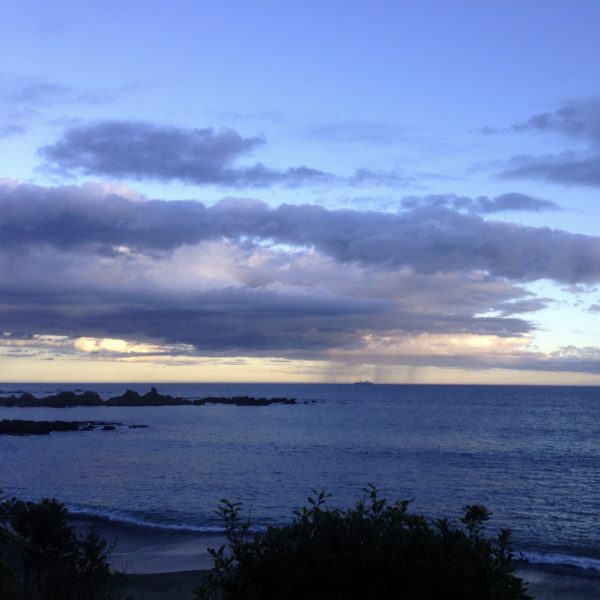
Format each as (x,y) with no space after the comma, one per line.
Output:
(557,582)
(160,564)
(143,551)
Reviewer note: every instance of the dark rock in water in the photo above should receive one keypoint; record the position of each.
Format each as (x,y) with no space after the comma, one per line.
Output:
(132,398)
(137,426)
(22,400)
(129,398)
(60,400)
(65,399)
(24,427)
(108,428)
(282,401)
(151,398)
(243,401)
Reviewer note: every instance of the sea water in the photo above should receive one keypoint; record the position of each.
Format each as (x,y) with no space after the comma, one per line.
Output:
(531,454)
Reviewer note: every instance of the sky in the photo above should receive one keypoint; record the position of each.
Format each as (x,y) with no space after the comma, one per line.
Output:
(404,192)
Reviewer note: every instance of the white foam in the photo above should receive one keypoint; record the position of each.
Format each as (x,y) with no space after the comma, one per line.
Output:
(581,562)
(118,517)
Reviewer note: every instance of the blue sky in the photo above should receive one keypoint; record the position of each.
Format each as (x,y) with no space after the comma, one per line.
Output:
(300,191)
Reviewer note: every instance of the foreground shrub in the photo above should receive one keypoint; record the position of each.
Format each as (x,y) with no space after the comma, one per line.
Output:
(43,558)
(373,551)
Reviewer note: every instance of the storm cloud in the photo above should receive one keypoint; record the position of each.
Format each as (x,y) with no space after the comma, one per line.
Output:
(239,278)
(428,239)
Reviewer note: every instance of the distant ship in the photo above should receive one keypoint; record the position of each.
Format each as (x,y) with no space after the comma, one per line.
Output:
(363,383)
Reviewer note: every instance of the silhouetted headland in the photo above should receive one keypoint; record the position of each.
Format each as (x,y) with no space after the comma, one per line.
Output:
(131,398)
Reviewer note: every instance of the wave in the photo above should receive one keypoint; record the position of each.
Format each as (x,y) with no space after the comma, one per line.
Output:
(118,517)
(123,519)
(554,559)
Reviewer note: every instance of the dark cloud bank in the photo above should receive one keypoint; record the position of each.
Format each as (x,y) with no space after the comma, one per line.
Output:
(428,239)
(428,269)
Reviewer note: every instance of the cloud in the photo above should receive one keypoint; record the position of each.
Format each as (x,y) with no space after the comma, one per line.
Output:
(20,90)
(23,99)
(138,150)
(104,270)
(428,239)
(36,92)
(237,277)
(579,121)
(361,132)
(12,130)
(394,178)
(512,201)
(220,297)
(567,167)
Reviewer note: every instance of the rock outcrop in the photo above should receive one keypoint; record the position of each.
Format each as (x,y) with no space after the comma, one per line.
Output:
(131,398)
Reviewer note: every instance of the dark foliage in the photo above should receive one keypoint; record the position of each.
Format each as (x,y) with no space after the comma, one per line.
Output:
(43,558)
(375,550)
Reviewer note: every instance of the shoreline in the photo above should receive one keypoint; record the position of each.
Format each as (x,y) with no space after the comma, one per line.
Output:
(165,564)
(558,582)
(140,551)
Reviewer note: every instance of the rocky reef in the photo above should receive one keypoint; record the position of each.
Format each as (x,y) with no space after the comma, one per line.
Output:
(60,400)
(151,398)
(131,398)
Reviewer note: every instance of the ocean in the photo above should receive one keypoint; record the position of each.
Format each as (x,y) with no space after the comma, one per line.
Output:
(531,454)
